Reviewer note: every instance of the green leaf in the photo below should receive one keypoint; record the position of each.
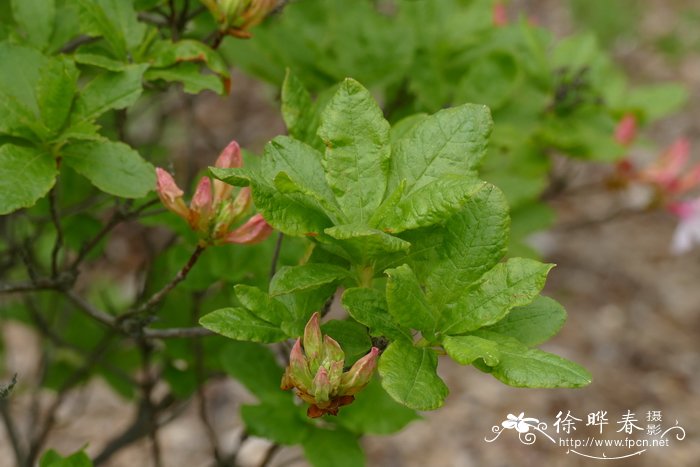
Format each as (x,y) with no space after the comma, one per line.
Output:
(532,324)
(362,244)
(109,91)
(95,22)
(290,279)
(523,367)
(256,368)
(165,54)
(450,142)
(293,214)
(53,459)
(357,150)
(352,337)
(513,283)
(369,307)
(465,349)
(19,75)
(112,167)
(26,174)
(657,101)
(375,412)
(471,243)
(261,304)
(407,302)
(241,324)
(409,375)
(190,75)
(98,60)
(301,165)
(431,204)
(296,109)
(36,18)
(333,448)
(279,421)
(55,92)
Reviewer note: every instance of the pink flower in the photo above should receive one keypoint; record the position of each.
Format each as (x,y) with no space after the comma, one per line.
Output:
(213,209)
(668,173)
(626,130)
(687,234)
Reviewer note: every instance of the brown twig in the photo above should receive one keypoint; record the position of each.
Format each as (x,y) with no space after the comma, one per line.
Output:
(58,244)
(276,255)
(179,277)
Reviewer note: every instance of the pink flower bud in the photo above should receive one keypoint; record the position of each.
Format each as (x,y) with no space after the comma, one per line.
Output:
(689,180)
(360,374)
(666,170)
(297,374)
(626,130)
(331,349)
(170,194)
(230,157)
(313,340)
(202,200)
(254,231)
(321,387)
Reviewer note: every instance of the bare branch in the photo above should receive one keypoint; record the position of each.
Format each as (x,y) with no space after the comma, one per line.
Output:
(175,333)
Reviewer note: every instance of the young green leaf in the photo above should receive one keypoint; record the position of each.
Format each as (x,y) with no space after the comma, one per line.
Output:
(241,324)
(53,459)
(407,302)
(357,150)
(190,75)
(532,324)
(297,109)
(26,174)
(361,244)
(369,307)
(513,283)
(290,279)
(36,18)
(465,349)
(109,91)
(450,142)
(55,92)
(520,366)
(409,375)
(261,304)
(434,202)
(470,244)
(112,167)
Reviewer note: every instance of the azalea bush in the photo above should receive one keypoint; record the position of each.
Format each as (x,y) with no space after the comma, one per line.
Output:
(328,275)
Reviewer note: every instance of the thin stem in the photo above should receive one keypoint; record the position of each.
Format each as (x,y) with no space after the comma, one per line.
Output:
(175,333)
(198,352)
(55,218)
(12,432)
(179,277)
(40,437)
(276,255)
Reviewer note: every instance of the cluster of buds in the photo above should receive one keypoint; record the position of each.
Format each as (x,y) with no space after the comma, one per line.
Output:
(213,209)
(236,17)
(316,371)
